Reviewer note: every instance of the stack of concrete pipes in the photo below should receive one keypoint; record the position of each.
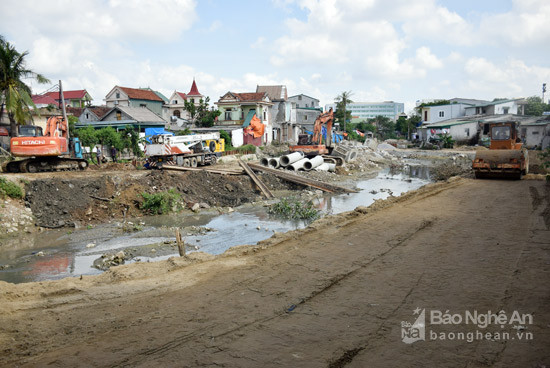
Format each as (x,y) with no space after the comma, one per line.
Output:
(296,161)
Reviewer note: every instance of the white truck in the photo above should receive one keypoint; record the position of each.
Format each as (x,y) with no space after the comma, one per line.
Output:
(184,150)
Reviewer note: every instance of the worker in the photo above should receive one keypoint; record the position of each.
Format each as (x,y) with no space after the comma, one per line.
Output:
(98,154)
(113,153)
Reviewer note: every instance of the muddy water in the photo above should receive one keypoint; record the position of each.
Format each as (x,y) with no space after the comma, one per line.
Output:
(61,253)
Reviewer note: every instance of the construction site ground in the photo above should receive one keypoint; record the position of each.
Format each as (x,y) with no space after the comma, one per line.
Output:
(332,295)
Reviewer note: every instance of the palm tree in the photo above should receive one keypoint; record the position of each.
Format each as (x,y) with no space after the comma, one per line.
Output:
(342,101)
(15,95)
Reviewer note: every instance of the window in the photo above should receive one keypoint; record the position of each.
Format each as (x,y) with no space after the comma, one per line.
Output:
(500,133)
(118,115)
(142,105)
(442,114)
(425,115)
(192,100)
(467,131)
(177,113)
(305,117)
(227,114)
(242,114)
(299,98)
(505,110)
(87,116)
(118,95)
(265,115)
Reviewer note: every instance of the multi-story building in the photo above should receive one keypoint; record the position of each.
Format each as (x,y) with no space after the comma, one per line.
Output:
(176,104)
(283,113)
(307,110)
(361,111)
(135,97)
(238,108)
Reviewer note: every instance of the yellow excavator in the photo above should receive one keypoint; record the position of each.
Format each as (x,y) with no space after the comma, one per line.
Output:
(506,157)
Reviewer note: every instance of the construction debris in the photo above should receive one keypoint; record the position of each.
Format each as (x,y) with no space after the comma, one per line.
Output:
(303,181)
(265,190)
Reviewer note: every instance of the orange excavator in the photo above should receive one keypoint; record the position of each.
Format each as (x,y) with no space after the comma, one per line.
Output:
(51,151)
(506,157)
(316,146)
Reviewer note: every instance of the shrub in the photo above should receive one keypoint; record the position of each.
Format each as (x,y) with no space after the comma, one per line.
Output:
(10,189)
(294,210)
(246,148)
(162,202)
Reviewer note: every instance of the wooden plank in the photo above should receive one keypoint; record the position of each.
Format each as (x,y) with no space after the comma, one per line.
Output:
(265,190)
(181,244)
(214,171)
(304,181)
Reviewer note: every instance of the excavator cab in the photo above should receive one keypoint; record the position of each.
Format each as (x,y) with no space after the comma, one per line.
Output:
(29,131)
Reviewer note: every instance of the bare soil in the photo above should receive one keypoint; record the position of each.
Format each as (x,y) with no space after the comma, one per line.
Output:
(97,196)
(331,295)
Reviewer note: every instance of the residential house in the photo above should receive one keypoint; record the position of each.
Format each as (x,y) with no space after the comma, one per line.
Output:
(282,113)
(536,133)
(176,105)
(234,107)
(460,107)
(463,131)
(307,110)
(500,107)
(438,113)
(121,116)
(92,113)
(135,97)
(77,98)
(41,101)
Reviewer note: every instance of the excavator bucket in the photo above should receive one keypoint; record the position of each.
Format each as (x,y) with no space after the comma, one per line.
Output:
(500,164)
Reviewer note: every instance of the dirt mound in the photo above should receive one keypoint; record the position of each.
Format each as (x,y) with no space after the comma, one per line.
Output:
(59,202)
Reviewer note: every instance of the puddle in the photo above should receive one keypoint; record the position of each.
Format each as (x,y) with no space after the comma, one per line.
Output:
(69,253)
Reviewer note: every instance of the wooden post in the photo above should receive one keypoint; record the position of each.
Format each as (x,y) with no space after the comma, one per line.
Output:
(181,244)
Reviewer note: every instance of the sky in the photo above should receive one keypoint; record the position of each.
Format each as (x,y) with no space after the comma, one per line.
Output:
(380,50)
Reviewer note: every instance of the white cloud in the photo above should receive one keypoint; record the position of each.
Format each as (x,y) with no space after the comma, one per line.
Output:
(526,24)
(512,78)
(425,58)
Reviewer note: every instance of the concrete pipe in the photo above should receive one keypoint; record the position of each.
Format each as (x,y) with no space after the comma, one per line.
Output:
(326,167)
(351,155)
(274,162)
(298,165)
(313,163)
(290,158)
(264,161)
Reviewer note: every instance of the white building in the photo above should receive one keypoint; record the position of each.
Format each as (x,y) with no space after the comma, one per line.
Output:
(361,111)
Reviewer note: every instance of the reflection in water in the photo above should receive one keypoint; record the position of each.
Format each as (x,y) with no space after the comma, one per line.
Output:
(66,254)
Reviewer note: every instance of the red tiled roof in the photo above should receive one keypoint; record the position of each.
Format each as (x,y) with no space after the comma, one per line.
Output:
(100,111)
(141,94)
(182,95)
(194,90)
(44,100)
(68,95)
(250,96)
(76,111)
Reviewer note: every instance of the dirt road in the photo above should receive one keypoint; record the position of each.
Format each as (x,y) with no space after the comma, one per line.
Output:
(332,295)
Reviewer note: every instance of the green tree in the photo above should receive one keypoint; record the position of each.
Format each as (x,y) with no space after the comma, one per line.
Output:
(201,115)
(110,137)
(72,121)
(15,95)
(535,106)
(88,136)
(342,115)
(130,140)
(226,138)
(385,128)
